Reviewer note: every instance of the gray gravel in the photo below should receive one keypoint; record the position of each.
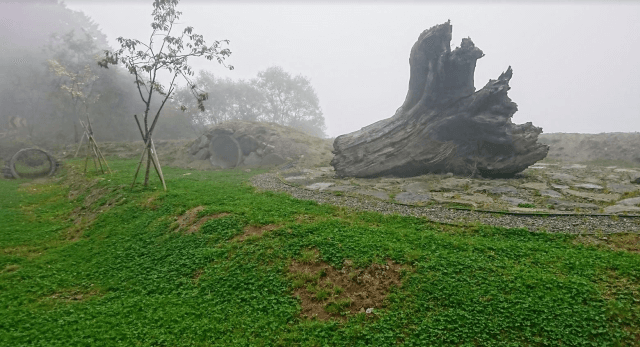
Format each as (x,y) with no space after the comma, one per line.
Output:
(559,224)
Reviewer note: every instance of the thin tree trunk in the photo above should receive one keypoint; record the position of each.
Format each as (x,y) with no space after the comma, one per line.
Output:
(146,172)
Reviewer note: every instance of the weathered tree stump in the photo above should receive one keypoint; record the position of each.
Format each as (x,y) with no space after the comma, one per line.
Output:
(443,125)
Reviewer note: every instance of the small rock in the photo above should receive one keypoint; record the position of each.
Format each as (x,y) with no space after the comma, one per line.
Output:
(247,170)
(559,186)
(369,310)
(589,186)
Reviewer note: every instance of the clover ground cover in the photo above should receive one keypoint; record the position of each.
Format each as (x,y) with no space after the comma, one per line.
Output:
(132,275)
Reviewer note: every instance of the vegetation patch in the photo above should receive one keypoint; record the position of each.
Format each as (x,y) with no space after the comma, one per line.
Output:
(326,292)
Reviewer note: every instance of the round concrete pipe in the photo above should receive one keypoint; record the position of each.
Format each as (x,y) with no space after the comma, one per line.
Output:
(25,156)
(225,152)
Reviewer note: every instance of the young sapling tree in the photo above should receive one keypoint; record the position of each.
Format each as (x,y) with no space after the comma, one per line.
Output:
(165,54)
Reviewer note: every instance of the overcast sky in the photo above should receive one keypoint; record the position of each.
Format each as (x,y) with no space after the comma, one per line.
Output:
(576,66)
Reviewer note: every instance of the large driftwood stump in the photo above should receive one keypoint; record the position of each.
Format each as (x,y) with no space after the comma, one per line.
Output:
(443,125)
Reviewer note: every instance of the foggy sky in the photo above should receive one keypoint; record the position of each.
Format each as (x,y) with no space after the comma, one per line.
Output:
(575,65)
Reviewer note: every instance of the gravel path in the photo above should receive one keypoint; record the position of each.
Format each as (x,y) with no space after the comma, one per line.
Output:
(561,224)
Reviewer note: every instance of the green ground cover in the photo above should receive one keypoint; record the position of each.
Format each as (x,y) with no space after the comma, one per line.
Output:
(70,276)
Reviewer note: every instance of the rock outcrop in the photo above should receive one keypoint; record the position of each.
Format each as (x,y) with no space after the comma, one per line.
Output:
(443,125)
(253,144)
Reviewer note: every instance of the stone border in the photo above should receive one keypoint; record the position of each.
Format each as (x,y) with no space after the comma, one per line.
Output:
(513,213)
(563,223)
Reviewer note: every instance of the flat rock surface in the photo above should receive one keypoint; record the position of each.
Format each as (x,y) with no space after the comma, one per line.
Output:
(549,188)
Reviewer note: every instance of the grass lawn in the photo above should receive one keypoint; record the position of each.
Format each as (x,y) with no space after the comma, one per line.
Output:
(88,262)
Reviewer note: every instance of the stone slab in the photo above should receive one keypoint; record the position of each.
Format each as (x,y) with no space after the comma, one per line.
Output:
(319,186)
(571,205)
(622,188)
(630,201)
(514,201)
(621,209)
(374,193)
(534,186)
(503,190)
(550,193)
(411,198)
(593,196)
(589,186)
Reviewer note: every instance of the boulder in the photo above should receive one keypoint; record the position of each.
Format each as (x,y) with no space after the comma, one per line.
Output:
(202,154)
(253,159)
(248,144)
(272,159)
(443,125)
(225,152)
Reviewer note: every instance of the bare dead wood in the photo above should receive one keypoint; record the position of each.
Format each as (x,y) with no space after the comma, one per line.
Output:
(444,125)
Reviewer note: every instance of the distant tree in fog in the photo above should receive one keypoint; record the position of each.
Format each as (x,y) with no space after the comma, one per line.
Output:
(164,53)
(274,96)
(227,100)
(290,100)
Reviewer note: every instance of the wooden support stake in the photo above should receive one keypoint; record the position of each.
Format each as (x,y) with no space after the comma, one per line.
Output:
(80,145)
(154,157)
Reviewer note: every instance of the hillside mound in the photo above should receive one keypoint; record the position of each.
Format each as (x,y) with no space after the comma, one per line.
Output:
(254,144)
(593,147)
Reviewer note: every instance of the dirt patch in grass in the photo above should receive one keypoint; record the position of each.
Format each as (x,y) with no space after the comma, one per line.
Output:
(152,202)
(73,295)
(624,241)
(83,216)
(189,222)
(253,230)
(196,275)
(328,293)
(10,268)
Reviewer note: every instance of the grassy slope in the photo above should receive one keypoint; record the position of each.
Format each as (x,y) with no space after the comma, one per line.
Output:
(128,279)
